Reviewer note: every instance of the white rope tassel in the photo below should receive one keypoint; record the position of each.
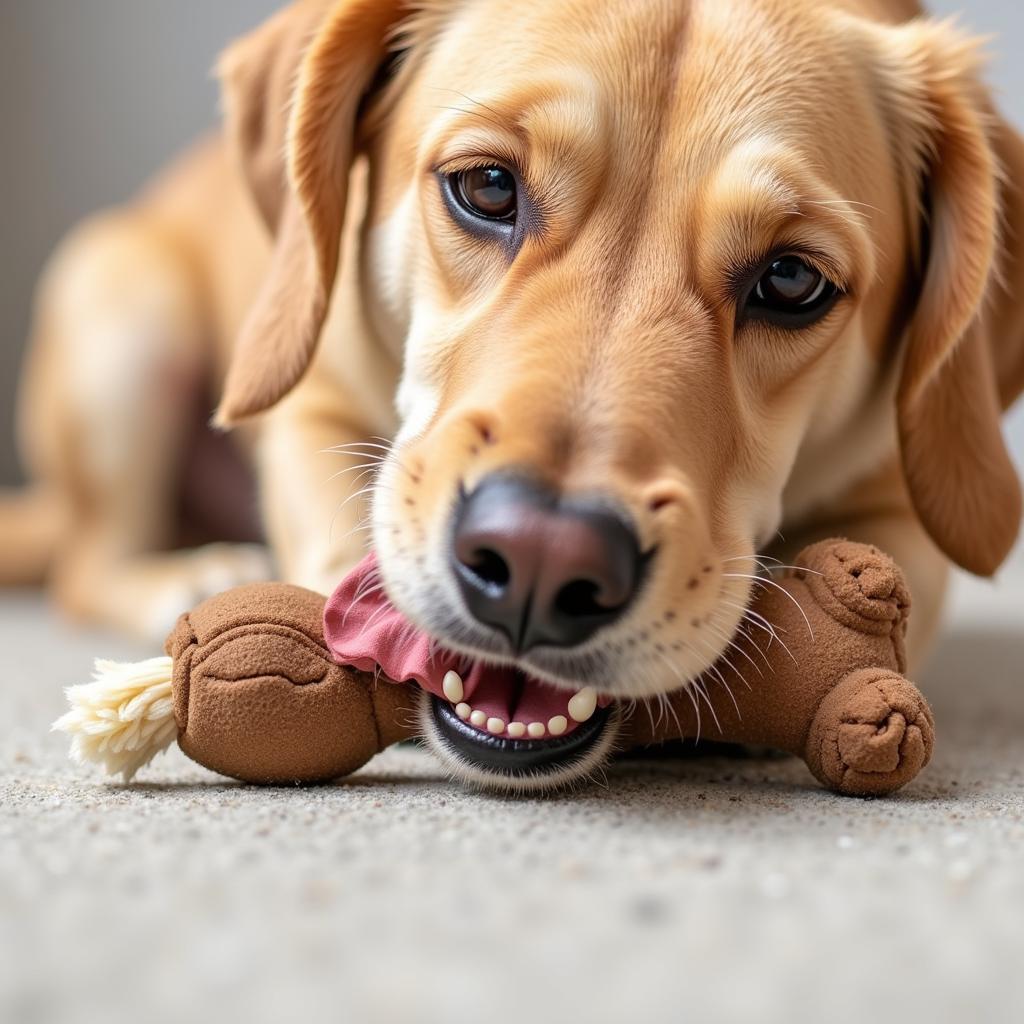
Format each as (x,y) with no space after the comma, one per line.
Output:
(123,718)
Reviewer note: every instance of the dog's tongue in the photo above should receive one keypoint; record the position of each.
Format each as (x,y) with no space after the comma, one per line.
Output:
(365,631)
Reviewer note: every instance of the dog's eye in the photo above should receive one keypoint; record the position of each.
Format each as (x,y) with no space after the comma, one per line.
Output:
(487,192)
(790,293)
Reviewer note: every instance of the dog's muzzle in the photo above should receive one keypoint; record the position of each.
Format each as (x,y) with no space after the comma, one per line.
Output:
(492,725)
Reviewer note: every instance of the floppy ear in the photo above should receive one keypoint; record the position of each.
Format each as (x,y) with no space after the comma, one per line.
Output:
(293,91)
(959,474)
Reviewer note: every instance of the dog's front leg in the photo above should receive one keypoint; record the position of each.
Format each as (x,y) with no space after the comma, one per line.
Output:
(317,454)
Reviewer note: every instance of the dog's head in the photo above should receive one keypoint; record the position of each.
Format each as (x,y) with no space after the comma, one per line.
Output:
(662,273)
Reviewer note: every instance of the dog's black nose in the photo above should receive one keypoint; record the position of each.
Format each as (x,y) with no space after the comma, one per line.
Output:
(545,571)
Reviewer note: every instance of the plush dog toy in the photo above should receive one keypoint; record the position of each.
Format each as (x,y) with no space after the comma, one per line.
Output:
(271,684)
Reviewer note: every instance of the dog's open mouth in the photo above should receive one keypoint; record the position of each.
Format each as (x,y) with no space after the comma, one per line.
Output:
(492,724)
(519,763)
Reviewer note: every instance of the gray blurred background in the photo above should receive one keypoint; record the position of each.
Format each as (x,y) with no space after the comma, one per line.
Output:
(95,95)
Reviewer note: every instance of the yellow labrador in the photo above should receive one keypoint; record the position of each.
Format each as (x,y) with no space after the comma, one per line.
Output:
(606,296)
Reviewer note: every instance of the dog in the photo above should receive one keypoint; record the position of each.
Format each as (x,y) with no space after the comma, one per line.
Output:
(612,305)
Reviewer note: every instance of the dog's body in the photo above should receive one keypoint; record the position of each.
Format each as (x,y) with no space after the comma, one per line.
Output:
(594,345)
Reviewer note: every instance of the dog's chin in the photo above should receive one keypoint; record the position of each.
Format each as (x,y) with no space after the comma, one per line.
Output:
(505,765)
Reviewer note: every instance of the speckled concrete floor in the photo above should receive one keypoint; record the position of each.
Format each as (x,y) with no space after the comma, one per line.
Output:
(696,890)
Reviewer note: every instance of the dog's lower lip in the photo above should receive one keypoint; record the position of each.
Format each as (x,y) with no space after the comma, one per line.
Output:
(503,755)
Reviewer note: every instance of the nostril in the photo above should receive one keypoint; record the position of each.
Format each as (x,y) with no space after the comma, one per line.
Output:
(579,600)
(489,567)
(541,567)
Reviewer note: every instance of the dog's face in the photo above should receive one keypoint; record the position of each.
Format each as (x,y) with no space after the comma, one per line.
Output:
(648,267)
(627,276)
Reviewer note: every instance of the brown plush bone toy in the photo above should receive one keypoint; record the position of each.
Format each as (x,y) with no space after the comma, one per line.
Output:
(252,690)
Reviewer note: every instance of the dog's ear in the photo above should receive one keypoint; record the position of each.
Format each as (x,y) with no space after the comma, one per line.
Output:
(959,474)
(293,91)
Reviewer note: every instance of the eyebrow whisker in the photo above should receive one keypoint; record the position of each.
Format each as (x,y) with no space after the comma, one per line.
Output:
(845,202)
(469,99)
(471,113)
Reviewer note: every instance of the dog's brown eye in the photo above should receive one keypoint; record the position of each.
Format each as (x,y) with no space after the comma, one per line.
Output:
(488,192)
(791,293)
(790,283)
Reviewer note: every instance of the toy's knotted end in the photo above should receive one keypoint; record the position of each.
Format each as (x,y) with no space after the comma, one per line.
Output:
(872,734)
(123,718)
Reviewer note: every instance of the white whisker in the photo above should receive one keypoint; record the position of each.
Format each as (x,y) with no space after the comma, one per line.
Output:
(707,700)
(763,581)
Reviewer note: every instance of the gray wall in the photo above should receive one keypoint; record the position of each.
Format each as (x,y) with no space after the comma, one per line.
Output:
(96,94)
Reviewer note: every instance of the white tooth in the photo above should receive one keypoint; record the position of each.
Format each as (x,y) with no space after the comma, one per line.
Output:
(536,730)
(516,730)
(478,718)
(558,725)
(463,711)
(453,688)
(495,726)
(583,705)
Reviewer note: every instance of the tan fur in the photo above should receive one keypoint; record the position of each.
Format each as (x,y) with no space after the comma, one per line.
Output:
(605,356)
